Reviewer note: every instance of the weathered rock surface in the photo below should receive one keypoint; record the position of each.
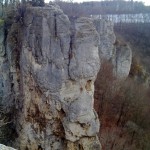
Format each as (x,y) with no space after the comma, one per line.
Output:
(4,72)
(6,96)
(106,36)
(47,72)
(52,64)
(122,60)
(120,55)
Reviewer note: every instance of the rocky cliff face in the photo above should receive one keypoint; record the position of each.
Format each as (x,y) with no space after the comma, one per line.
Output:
(48,65)
(52,64)
(122,60)
(119,54)
(6,95)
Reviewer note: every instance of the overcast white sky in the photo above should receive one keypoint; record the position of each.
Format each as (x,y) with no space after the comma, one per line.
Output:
(147,2)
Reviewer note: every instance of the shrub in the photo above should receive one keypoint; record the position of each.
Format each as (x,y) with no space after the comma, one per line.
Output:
(117,104)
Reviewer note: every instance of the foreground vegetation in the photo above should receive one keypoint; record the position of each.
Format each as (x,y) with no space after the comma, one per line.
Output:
(102,7)
(123,109)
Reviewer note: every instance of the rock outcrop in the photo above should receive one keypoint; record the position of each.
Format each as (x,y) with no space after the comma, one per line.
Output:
(52,64)
(48,65)
(107,38)
(122,60)
(6,96)
(119,54)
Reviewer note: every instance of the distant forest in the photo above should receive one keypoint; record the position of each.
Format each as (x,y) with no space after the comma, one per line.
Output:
(103,7)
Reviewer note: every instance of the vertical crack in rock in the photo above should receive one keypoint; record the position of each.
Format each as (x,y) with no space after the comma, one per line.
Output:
(72,38)
(55,25)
